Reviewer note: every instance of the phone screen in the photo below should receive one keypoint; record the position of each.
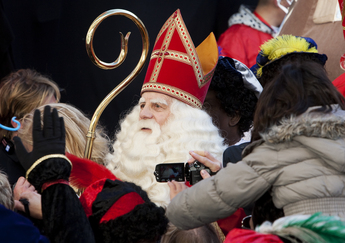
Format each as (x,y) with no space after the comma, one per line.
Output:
(168,172)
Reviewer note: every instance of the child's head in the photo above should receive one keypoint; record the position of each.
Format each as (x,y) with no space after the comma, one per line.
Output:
(203,234)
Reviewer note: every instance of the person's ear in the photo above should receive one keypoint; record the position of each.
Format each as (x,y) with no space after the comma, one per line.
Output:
(232,121)
(13,123)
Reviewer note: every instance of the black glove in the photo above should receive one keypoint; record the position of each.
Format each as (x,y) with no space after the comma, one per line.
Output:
(49,140)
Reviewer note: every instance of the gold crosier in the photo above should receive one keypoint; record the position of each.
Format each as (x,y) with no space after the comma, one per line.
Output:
(122,56)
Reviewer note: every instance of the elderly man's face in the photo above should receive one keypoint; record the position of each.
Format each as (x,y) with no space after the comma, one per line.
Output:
(154,106)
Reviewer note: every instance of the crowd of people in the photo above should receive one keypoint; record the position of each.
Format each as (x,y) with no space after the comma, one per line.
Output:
(258,110)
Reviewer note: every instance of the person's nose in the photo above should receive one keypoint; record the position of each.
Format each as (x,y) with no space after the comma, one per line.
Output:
(145,113)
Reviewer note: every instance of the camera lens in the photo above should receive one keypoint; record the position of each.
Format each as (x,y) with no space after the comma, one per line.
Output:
(196,164)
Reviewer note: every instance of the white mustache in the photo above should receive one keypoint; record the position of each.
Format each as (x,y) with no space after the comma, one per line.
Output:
(149,123)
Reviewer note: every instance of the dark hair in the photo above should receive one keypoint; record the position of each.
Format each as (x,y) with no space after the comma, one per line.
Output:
(297,87)
(145,223)
(271,70)
(139,190)
(264,210)
(234,98)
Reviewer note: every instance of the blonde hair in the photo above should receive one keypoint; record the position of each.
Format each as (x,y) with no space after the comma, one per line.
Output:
(76,126)
(204,234)
(21,92)
(6,197)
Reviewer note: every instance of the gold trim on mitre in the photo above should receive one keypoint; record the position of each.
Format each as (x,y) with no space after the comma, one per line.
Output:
(172,92)
(208,57)
(176,23)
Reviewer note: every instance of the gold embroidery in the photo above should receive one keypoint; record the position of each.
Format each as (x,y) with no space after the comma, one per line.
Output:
(161,54)
(190,57)
(173,91)
(174,55)
(208,77)
(165,26)
(190,49)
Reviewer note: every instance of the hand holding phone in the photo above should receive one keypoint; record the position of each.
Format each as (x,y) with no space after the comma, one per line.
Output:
(180,172)
(207,159)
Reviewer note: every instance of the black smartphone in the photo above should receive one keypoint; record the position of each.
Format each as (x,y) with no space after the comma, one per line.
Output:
(170,171)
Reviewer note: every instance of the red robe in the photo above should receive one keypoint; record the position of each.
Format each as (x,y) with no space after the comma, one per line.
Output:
(242,43)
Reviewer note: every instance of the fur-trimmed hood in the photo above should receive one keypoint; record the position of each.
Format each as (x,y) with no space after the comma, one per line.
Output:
(312,123)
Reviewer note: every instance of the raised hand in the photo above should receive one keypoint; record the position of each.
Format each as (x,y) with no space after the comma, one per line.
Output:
(46,141)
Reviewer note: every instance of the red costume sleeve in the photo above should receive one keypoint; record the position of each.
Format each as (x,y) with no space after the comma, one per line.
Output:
(242,43)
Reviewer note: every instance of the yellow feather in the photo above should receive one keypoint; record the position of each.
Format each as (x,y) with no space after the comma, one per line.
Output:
(282,45)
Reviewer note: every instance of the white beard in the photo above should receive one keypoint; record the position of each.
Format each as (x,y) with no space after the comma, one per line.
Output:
(136,156)
(137,152)
(140,143)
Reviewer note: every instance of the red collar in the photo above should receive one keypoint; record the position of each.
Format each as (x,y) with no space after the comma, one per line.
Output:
(262,20)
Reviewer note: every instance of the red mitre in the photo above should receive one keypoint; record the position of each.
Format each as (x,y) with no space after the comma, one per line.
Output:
(177,68)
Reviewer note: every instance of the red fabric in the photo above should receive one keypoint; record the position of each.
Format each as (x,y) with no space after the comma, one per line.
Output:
(342,62)
(124,205)
(187,184)
(232,222)
(243,235)
(339,83)
(242,43)
(85,172)
(48,184)
(342,9)
(89,196)
(174,68)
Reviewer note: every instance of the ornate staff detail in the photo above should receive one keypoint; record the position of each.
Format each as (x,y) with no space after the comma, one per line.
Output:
(122,56)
